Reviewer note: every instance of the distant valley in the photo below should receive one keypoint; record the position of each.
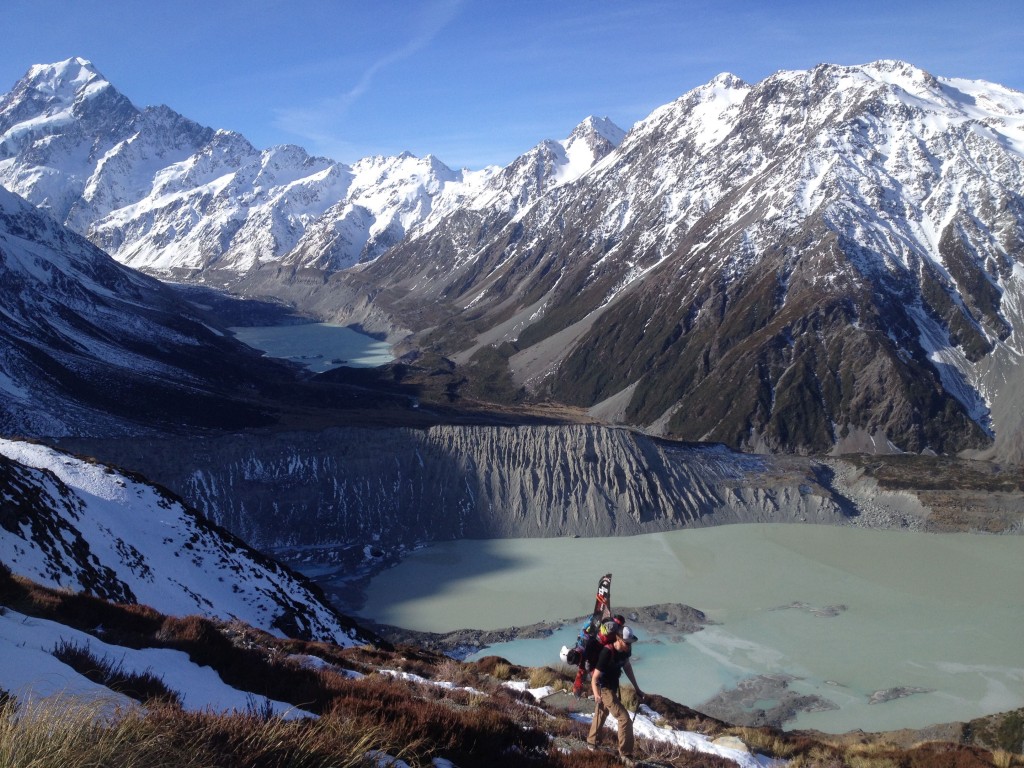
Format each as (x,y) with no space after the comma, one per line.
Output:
(797,301)
(826,260)
(554,319)
(776,291)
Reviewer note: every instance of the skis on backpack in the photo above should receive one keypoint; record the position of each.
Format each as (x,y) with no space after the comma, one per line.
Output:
(603,601)
(602,610)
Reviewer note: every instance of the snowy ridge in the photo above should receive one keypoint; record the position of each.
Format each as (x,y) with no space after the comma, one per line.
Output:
(45,267)
(80,526)
(868,159)
(879,192)
(545,169)
(168,196)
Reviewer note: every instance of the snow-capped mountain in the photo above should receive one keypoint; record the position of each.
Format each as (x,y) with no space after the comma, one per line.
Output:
(88,346)
(827,259)
(543,170)
(83,526)
(57,119)
(170,197)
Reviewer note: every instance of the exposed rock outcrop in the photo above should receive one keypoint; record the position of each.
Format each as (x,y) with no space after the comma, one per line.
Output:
(388,487)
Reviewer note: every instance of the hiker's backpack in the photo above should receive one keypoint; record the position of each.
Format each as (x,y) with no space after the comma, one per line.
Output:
(591,639)
(593,636)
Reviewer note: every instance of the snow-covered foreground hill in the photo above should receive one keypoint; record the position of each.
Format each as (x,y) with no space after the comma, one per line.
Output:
(29,670)
(68,523)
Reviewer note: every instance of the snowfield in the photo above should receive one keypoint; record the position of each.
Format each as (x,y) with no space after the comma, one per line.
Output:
(30,672)
(127,540)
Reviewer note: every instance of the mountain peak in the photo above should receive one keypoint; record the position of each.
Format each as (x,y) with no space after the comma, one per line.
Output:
(597,128)
(886,72)
(591,140)
(897,73)
(727,80)
(64,79)
(893,67)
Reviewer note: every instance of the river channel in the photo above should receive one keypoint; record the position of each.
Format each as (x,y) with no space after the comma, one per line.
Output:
(936,621)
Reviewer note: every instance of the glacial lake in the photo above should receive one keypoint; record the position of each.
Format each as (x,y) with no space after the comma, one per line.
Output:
(845,611)
(318,346)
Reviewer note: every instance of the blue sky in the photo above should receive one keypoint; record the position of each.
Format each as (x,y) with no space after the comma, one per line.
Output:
(476,82)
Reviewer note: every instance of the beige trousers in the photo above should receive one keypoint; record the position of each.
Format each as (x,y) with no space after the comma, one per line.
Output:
(609,704)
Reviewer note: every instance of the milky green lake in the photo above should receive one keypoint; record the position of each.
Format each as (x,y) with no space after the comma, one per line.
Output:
(936,613)
(318,346)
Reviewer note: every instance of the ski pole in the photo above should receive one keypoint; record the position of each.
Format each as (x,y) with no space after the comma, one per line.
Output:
(639,703)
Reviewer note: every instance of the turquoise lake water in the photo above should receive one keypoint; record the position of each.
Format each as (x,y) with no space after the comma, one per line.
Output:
(939,613)
(318,346)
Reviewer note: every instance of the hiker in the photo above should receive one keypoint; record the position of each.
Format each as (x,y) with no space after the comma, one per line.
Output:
(613,660)
(594,635)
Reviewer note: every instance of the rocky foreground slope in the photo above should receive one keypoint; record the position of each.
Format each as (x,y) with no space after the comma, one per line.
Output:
(203,692)
(83,527)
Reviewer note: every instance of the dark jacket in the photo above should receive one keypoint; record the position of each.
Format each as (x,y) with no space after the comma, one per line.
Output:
(610,664)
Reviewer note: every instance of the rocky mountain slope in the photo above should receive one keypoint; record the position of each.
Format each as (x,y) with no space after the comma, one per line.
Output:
(79,526)
(826,260)
(382,487)
(359,497)
(88,346)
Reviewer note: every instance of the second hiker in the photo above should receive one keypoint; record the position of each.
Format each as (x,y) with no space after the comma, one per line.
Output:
(612,662)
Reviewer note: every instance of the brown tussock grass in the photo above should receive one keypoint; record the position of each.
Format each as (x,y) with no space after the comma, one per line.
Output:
(496,728)
(71,733)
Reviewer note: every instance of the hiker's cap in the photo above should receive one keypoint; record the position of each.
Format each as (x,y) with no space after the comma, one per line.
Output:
(629,635)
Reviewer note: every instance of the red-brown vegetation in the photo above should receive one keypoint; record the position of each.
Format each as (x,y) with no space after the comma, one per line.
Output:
(361,710)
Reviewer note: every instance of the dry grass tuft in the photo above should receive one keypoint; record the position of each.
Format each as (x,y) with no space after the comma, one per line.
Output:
(66,732)
(769,741)
(929,755)
(819,756)
(141,686)
(488,665)
(73,734)
(541,677)
(1001,758)
(452,671)
(502,672)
